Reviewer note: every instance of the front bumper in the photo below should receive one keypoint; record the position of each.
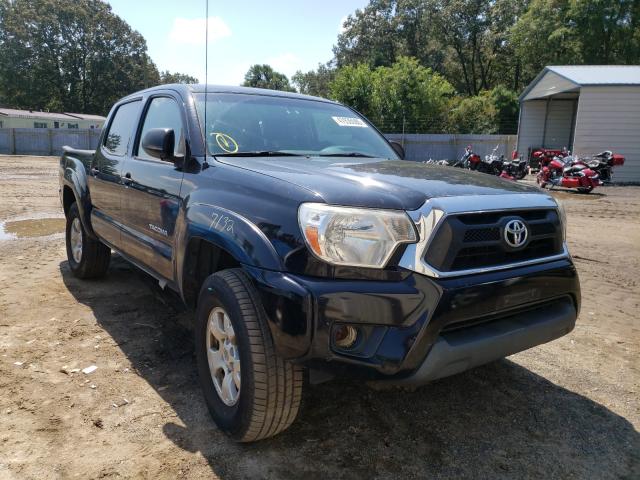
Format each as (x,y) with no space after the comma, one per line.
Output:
(460,350)
(419,329)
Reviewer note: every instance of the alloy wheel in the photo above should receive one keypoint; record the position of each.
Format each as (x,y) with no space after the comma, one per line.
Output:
(223,356)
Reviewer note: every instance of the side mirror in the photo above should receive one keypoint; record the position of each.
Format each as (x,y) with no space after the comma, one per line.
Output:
(160,143)
(398,148)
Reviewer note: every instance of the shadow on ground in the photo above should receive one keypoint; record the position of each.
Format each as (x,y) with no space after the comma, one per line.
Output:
(500,420)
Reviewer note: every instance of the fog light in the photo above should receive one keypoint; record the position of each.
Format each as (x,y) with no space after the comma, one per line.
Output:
(344,336)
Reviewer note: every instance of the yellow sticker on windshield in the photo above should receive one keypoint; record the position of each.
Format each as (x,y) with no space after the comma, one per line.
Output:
(225,142)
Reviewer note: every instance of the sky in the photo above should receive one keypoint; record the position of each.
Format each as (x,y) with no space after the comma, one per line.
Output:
(289,35)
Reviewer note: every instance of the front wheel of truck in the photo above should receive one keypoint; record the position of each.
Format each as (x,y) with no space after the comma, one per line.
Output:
(250,391)
(88,258)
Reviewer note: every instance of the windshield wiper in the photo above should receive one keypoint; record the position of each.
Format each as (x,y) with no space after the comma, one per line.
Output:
(260,153)
(346,154)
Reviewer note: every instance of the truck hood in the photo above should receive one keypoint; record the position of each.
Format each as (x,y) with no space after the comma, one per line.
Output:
(376,183)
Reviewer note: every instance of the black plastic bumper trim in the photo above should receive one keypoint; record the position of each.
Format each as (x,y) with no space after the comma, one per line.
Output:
(458,351)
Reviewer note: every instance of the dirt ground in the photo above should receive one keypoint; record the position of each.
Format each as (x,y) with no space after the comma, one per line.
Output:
(568,409)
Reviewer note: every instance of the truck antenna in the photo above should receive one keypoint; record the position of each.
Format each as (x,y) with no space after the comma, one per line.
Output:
(206,80)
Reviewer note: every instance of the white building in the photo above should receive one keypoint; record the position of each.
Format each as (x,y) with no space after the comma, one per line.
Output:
(586,108)
(11,118)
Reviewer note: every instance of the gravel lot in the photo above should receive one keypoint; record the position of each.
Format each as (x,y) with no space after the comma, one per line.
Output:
(569,409)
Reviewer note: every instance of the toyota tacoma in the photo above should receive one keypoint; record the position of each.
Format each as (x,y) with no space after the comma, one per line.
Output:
(304,242)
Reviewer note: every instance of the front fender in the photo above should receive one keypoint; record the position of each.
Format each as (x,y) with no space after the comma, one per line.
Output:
(227,230)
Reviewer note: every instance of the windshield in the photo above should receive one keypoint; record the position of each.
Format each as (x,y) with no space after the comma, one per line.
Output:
(244,124)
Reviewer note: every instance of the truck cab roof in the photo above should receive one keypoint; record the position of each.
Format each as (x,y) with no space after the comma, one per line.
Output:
(186,89)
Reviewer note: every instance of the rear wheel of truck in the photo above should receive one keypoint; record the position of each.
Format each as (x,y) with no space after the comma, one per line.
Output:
(250,391)
(88,257)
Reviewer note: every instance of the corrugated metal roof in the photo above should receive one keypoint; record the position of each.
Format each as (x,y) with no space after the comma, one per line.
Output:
(86,116)
(599,74)
(582,75)
(11,112)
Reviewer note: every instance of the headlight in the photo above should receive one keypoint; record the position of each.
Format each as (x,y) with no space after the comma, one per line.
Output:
(563,219)
(359,237)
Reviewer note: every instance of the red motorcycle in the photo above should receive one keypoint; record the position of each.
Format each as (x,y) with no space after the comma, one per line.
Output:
(568,172)
(469,159)
(541,157)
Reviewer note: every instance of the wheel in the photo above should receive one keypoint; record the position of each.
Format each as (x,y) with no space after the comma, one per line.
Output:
(540,180)
(88,258)
(585,190)
(251,393)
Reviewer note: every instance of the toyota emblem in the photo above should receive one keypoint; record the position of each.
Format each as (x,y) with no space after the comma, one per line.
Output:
(515,233)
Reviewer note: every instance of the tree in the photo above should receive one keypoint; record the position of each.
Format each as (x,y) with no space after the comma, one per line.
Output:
(405,95)
(353,86)
(369,36)
(69,56)
(168,77)
(465,40)
(263,76)
(506,106)
(315,82)
(410,97)
(475,114)
(554,32)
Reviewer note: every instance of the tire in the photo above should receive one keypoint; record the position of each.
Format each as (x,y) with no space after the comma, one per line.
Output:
(585,190)
(90,258)
(270,388)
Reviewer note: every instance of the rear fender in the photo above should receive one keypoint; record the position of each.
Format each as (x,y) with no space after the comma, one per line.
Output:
(75,177)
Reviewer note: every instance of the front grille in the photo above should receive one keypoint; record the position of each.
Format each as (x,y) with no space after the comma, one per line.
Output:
(475,240)
(481,235)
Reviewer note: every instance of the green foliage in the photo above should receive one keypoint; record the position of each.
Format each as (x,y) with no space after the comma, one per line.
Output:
(402,96)
(507,107)
(168,77)
(489,112)
(473,115)
(480,44)
(410,94)
(69,56)
(467,41)
(353,86)
(315,82)
(556,32)
(263,76)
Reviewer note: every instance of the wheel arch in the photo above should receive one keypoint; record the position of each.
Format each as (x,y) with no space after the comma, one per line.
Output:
(213,238)
(75,188)
(202,258)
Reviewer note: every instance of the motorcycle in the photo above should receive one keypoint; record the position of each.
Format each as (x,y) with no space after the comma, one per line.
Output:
(437,162)
(491,164)
(603,164)
(515,169)
(468,160)
(542,156)
(568,172)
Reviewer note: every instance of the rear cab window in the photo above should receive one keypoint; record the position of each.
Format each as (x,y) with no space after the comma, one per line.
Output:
(121,129)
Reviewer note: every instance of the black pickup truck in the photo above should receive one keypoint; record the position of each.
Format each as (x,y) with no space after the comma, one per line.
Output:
(304,242)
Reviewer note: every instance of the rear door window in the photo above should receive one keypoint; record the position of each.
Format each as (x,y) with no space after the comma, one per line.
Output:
(122,128)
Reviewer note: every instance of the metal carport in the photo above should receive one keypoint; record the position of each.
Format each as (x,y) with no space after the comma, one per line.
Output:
(586,108)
